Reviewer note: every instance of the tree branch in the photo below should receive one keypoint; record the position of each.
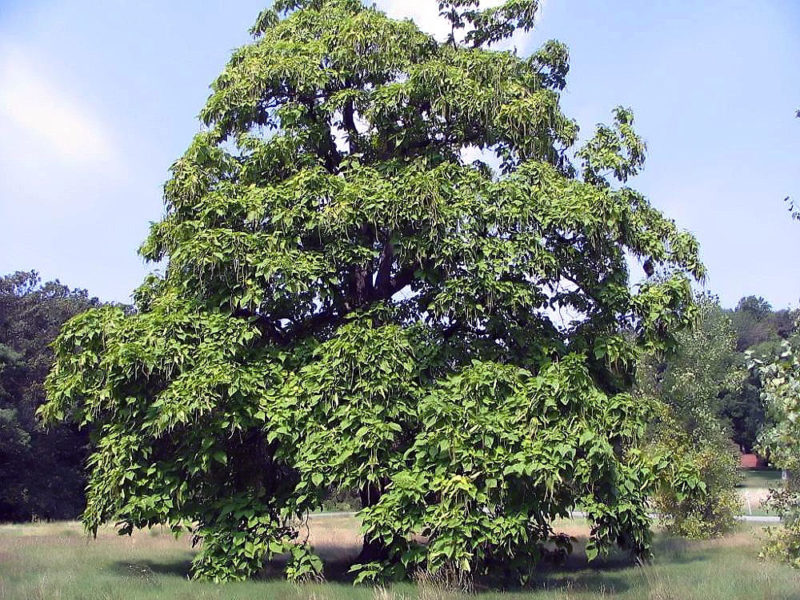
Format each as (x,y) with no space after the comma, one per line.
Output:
(383,279)
(348,120)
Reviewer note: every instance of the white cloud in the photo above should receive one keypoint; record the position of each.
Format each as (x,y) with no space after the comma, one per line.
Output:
(37,113)
(425,13)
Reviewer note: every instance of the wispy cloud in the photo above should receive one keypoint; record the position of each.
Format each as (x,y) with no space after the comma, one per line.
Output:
(37,112)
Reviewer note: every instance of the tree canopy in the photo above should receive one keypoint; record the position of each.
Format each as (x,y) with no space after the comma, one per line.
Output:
(351,302)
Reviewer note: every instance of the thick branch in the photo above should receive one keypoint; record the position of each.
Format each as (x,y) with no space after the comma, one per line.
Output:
(348,120)
(383,280)
(327,149)
(451,329)
(334,316)
(361,285)
(401,280)
(268,327)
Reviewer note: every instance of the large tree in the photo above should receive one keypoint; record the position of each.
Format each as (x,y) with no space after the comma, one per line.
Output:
(350,302)
(41,470)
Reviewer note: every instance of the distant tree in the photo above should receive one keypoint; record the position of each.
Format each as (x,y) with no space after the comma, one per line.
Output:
(759,331)
(350,303)
(690,383)
(751,319)
(41,471)
(744,410)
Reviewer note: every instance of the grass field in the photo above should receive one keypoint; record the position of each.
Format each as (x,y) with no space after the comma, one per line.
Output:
(760,478)
(57,561)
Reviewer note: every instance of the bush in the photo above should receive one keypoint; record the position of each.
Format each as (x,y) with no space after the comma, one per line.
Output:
(781,439)
(341,500)
(689,383)
(783,543)
(714,457)
(710,516)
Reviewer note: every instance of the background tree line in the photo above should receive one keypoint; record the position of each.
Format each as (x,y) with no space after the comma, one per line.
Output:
(41,469)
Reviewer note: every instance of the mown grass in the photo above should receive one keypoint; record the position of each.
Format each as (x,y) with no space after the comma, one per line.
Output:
(57,561)
(760,478)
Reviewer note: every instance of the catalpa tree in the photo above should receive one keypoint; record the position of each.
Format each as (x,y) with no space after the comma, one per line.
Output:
(349,302)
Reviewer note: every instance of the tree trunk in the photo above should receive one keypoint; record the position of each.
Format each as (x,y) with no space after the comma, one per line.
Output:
(371,550)
(791,480)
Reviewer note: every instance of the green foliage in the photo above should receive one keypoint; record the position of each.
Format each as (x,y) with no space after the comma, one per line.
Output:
(759,330)
(41,470)
(349,304)
(783,543)
(690,383)
(781,380)
(756,322)
(781,439)
(714,513)
(501,454)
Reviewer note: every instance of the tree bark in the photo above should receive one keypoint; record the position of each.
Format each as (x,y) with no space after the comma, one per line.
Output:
(791,480)
(371,550)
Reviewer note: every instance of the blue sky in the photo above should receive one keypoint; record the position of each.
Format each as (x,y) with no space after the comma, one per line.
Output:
(98,98)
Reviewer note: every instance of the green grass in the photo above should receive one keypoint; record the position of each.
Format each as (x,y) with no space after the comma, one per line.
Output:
(760,478)
(56,561)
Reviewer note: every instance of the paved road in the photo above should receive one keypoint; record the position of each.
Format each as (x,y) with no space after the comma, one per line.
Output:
(325,515)
(748,518)
(759,519)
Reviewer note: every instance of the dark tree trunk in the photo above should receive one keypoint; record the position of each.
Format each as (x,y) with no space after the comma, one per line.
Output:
(791,480)
(372,550)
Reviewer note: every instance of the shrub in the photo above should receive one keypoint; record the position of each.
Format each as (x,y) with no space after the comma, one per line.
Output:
(709,516)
